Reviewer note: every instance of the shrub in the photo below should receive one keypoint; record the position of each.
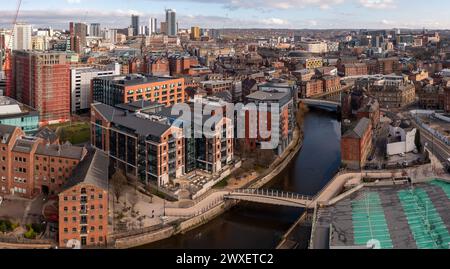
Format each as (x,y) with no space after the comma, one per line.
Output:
(30,234)
(6,226)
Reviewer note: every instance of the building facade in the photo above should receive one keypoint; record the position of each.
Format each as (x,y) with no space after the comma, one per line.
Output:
(30,166)
(83,204)
(41,80)
(116,90)
(356,145)
(80,84)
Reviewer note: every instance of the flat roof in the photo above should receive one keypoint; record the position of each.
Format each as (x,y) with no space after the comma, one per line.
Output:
(136,79)
(399,217)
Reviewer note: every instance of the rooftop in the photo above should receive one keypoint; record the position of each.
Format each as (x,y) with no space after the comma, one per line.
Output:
(136,79)
(399,217)
(359,130)
(139,125)
(92,170)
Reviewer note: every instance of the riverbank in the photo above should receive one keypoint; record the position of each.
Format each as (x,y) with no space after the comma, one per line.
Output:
(217,209)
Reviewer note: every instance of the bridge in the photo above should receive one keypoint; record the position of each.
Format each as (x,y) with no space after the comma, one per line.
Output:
(322,104)
(272,197)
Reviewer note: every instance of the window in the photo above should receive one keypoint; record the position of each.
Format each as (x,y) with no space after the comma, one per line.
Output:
(92,207)
(74,208)
(100,196)
(65,198)
(74,230)
(100,228)
(74,219)
(100,216)
(66,209)
(66,230)
(92,228)
(66,219)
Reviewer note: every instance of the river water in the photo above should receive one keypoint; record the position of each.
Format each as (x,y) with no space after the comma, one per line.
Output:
(255,226)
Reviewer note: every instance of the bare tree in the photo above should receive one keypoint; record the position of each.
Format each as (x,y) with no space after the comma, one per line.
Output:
(118,183)
(300,115)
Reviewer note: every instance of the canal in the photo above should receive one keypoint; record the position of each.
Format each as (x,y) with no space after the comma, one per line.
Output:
(254,226)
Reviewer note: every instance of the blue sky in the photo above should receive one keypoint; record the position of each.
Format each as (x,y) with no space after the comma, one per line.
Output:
(315,14)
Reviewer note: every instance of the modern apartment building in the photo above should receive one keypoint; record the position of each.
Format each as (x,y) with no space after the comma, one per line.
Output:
(41,80)
(210,153)
(285,119)
(145,146)
(21,37)
(83,204)
(114,90)
(80,84)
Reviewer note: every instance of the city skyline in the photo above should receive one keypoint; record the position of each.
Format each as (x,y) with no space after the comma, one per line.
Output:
(285,14)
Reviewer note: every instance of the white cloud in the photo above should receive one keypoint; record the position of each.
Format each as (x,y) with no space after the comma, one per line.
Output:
(377,4)
(73,1)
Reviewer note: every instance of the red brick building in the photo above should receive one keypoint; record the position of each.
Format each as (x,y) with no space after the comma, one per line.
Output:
(370,110)
(311,88)
(158,66)
(42,80)
(331,83)
(356,69)
(29,166)
(83,204)
(356,145)
(180,65)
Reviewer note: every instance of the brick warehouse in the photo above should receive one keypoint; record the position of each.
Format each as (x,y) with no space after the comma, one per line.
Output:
(29,166)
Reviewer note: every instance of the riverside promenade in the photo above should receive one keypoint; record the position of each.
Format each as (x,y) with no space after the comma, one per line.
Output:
(209,206)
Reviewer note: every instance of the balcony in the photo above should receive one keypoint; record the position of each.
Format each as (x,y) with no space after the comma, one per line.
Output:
(83,212)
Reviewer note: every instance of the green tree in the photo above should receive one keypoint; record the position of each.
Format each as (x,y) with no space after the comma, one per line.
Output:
(418,141)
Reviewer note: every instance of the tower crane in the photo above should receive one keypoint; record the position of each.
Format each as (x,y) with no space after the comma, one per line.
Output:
(8,52)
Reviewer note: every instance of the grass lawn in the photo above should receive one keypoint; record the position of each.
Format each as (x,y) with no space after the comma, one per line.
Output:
(75,133)
(222,184)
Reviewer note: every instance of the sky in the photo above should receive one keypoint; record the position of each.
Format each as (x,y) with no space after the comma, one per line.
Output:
(286,14)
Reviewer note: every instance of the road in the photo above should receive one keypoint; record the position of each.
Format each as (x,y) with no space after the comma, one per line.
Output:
(436,146)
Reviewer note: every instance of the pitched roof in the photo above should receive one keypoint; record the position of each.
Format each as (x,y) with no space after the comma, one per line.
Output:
(5,133)
(47,134)
(359,130)
(92,170)
(141,126)
(64,151)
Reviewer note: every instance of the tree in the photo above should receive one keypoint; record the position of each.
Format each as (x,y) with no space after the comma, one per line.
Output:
(418,141)
(118,183)
(300,115)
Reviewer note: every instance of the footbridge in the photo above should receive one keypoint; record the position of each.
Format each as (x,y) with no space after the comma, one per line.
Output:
(272,197)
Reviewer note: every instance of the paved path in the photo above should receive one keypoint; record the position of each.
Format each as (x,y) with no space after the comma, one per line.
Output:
(202,206)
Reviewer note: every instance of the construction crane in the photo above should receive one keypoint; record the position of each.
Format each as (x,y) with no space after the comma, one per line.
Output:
(8,52)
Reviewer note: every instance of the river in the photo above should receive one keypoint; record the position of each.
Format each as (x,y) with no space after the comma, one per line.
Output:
(254,226)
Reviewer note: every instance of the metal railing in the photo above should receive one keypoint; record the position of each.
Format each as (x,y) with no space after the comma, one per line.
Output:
(273,193)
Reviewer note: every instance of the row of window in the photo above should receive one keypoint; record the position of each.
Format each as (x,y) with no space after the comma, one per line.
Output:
(74,209)
(53,160)
(92,229)
(74,198)
(92,240)
(74,219)
(52,169)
